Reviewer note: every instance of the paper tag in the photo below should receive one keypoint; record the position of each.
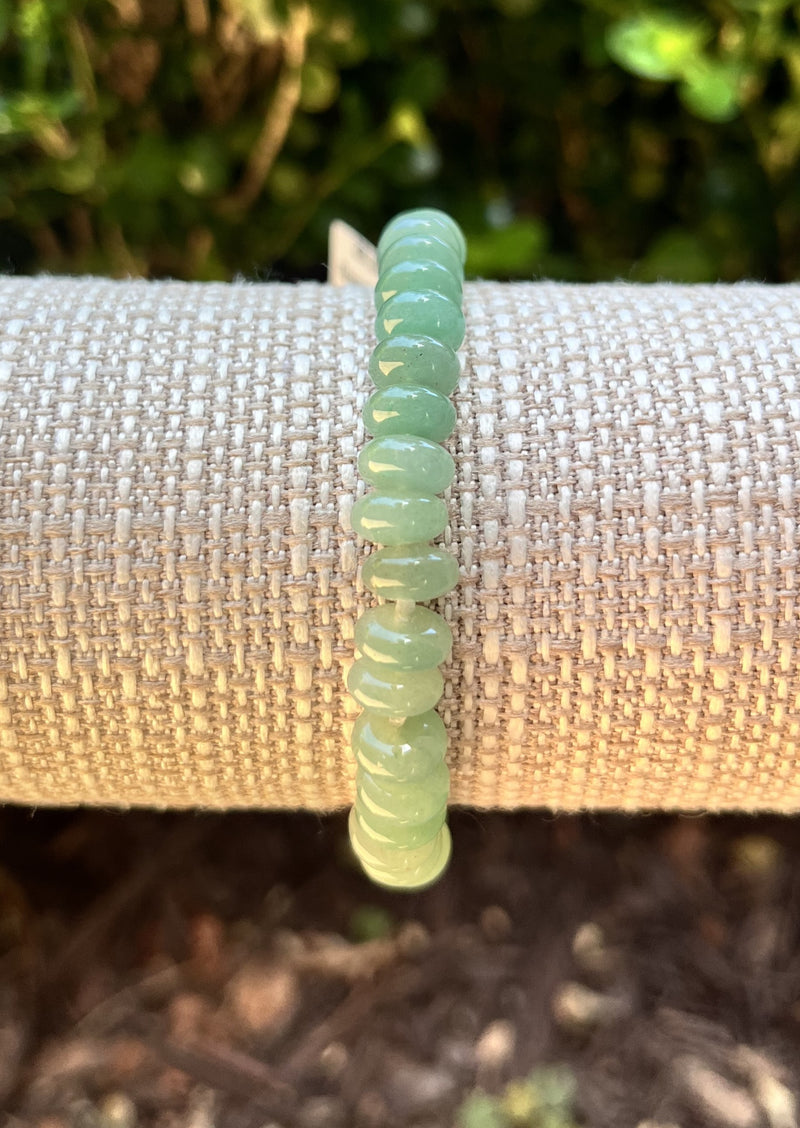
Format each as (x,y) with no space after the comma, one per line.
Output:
(351,257)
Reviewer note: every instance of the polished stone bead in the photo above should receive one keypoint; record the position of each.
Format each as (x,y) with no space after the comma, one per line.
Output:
(390,518)
(423,877)
(417,275)
(429,220)
(425,874)
(399,831)
(381,849)
(412,571)
(421,313)
(403,638)
(407,464)
(411,358)
(422,248)
(408,751)
(398,867)
(416,803)
(398,693)
(409,410)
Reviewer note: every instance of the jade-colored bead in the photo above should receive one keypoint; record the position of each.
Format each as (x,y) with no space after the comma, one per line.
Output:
(417,275)
(406,464)
(381,849)
(408,751)
(398,693)
(423,877)
(393,518)
(412,571)
(429,220)
(415,802)
(407,409)
(397,830)
(410,358)
(399,867)
(421,313)
(400,834)
(421,248)
(400,639)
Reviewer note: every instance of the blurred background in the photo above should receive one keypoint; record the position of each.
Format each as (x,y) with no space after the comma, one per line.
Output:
(186,970)
(572,139)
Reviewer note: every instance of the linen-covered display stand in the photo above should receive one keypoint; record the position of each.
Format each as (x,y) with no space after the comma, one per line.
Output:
(178,575)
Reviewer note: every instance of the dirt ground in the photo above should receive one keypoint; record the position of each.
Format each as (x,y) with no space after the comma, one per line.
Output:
(237,971)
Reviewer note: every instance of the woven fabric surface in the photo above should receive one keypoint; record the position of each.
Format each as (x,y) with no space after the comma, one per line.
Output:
(179,577)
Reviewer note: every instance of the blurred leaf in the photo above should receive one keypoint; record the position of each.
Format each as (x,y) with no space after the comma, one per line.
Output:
(784,148)
(5,19)
(676,256)
(79,173)
(33,30)
(516,9)
(152,168)
(762,6)
(407,124)
(521,1103)
(415,19)
(556,1085)
(711,90)
(422,81)
(38,117)
(513,250)
(479,1110)
(656,45)
(204,169)
(288,181)
(320,85)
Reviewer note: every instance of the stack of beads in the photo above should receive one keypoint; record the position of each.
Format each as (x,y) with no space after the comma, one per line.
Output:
(398,826)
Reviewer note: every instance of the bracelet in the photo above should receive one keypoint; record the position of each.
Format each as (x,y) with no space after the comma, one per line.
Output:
(397,826)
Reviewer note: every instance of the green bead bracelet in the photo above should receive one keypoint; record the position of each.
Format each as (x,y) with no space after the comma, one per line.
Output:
(398,829)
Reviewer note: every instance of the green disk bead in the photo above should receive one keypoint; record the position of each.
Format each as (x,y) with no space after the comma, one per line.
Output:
(409,751)
(375,848)
(429,220)
(399,831)
(398,640)
(407,464)
(421,313)
(399,693)
(421,248)
(398,867)
(412,571)
(385,518)
(423,877)
(407,409)
(409,358)
(381,850)
(414,802)
(417,275)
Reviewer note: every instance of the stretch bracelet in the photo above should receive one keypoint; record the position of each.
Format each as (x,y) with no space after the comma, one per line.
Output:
(397,826)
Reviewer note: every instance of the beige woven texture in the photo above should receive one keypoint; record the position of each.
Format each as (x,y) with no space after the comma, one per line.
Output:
(178,574)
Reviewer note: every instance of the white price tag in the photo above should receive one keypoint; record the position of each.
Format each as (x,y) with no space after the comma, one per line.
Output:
(351,257)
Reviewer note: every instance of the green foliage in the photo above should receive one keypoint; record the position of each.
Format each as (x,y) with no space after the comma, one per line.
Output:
(664,46)
(657,45)
(545,1099)
(576,139)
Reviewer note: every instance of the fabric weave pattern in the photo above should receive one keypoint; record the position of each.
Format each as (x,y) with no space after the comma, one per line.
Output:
(178,574)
